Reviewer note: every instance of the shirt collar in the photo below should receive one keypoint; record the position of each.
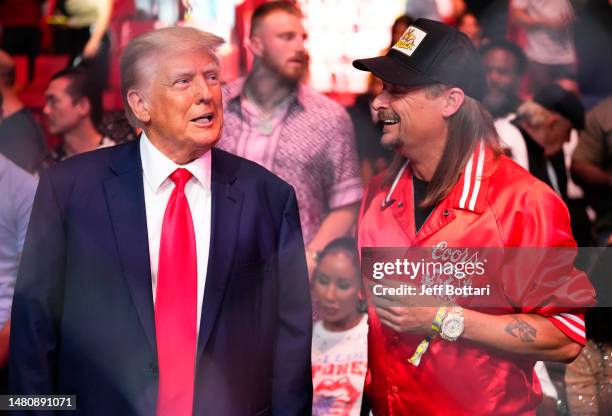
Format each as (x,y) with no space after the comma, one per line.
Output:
(156,166)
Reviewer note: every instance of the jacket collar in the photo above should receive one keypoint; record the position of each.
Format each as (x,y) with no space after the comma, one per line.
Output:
(470,191)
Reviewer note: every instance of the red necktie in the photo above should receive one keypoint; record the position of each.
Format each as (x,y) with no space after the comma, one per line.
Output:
(176,304)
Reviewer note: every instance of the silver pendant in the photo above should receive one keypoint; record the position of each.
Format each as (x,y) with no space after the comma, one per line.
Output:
(265,126)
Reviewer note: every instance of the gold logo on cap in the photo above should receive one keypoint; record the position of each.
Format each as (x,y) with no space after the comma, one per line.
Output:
(410,40)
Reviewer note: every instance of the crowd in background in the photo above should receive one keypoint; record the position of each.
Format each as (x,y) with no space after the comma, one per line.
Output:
(547,64)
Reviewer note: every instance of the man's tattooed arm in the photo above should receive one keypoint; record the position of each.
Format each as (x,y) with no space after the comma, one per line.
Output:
(521,329)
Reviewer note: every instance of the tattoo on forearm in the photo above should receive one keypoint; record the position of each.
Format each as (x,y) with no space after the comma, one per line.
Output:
(521,329)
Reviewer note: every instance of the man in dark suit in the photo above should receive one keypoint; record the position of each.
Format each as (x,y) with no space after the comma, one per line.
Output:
(164,276)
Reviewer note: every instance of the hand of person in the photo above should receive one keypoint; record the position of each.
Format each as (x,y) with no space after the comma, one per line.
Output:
(404,313)
(91,48)
(311,262)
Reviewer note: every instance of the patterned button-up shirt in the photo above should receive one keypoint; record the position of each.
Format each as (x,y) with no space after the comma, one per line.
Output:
(312,148)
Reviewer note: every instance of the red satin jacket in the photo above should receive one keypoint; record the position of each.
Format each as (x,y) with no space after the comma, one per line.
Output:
(495,203)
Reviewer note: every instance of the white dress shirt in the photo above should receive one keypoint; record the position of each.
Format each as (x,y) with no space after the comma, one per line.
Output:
(156,169)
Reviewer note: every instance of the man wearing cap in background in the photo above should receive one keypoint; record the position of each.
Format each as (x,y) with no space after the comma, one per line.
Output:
(592,167)
(451,186)
(534,138)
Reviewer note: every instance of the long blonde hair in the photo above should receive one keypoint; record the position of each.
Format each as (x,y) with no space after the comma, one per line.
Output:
(469,125)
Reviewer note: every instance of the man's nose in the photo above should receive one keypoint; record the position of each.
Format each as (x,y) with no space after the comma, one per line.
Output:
(300,44)
(202,90)
(381,101)
(330,293)
(493,76)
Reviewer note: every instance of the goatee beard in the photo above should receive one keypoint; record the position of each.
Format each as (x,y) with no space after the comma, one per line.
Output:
(393,145)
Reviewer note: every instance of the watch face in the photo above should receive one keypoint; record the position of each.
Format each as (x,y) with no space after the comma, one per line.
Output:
(453,327)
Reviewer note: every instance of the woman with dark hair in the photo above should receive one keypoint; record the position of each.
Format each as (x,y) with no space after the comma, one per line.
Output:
(469,25)
(339,342)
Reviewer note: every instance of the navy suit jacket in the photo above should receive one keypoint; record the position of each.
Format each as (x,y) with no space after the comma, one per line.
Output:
(83,316)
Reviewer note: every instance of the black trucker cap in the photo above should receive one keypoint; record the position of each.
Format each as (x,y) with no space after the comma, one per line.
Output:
(430,52)
(563,102)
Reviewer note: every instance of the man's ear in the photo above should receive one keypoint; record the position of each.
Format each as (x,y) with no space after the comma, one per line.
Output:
(139,105)
(453,99)
(254,45)
(83,106)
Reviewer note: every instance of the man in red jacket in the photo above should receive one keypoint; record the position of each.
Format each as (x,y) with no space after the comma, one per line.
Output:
(449,186)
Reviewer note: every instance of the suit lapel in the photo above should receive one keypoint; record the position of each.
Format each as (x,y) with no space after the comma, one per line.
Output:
(125,197)
(226,209)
